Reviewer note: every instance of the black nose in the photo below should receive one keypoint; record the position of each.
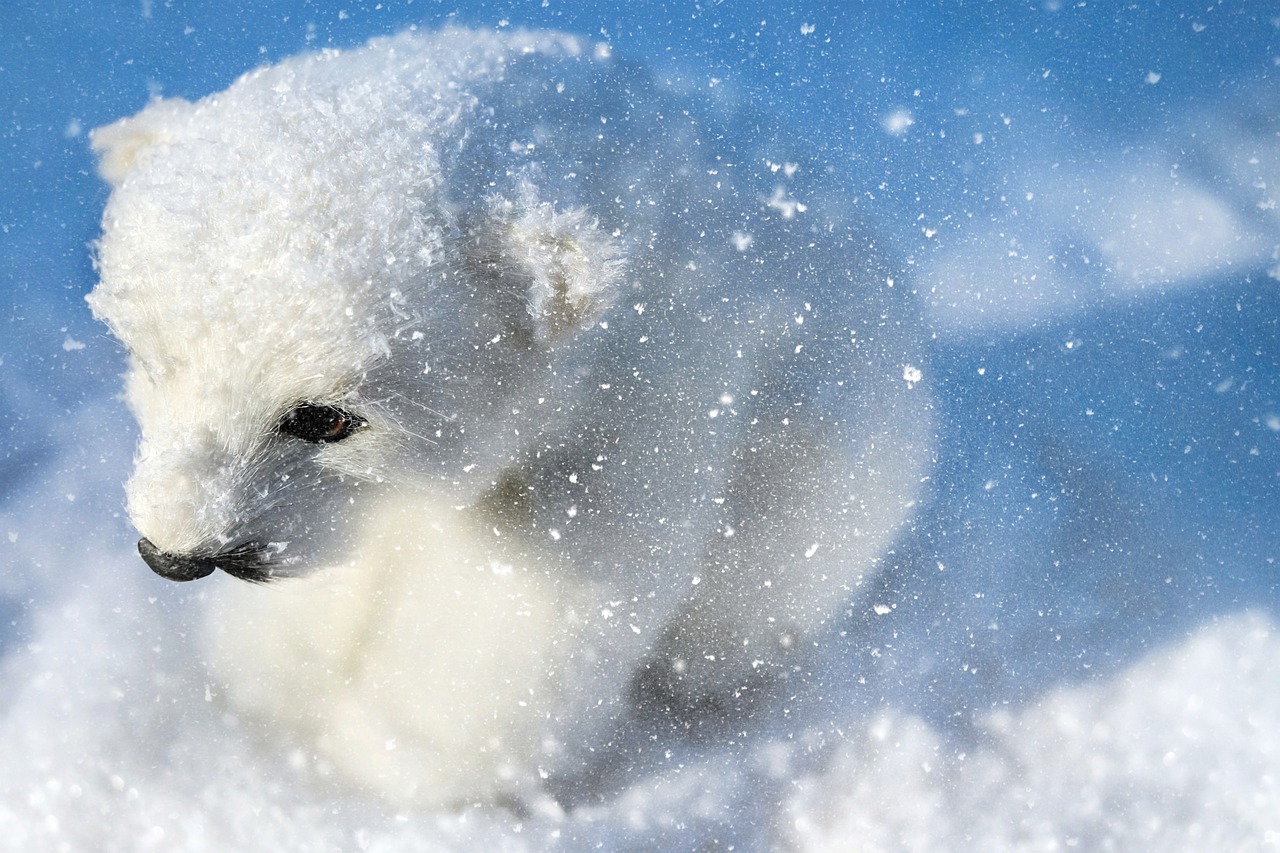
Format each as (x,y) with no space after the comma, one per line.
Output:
(175,567)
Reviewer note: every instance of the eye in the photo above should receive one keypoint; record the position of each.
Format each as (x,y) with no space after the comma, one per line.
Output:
(320,424)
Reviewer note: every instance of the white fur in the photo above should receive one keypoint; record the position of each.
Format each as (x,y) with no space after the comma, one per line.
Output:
(627,424)
(435,650)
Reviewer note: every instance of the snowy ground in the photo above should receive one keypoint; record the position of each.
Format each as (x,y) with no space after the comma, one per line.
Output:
(1077,645)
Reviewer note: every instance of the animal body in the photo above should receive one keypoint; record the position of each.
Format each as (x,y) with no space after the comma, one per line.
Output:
(521,391)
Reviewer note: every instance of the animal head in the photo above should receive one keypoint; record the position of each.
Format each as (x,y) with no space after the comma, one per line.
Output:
(315,314)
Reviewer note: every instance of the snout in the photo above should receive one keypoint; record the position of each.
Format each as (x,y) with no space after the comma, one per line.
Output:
(247,563)
(175,567)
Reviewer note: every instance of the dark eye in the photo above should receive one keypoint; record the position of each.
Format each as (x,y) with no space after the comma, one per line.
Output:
(320,424)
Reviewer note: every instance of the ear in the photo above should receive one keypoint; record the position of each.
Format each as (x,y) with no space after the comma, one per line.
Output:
(570,267)
(120,144)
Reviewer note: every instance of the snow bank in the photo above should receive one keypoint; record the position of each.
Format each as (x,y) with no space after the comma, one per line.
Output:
(1175,753)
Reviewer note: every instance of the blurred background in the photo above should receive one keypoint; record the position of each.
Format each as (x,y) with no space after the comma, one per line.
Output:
(1076,644)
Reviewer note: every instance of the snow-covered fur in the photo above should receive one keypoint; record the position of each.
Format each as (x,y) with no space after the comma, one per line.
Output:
(534,398)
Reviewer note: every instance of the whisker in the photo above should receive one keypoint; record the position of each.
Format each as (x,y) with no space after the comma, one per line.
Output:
(420,436)
(446,418)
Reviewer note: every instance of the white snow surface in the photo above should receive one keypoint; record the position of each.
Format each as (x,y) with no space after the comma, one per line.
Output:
(1175,753)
